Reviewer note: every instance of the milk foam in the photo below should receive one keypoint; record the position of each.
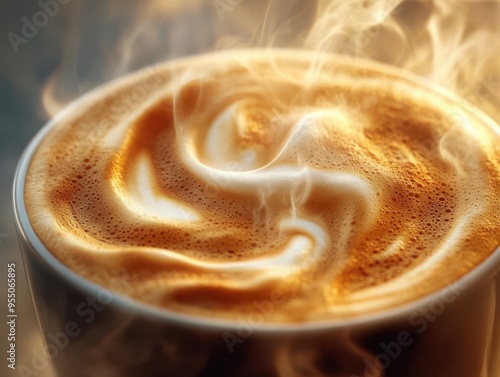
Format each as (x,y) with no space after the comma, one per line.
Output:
(358,191)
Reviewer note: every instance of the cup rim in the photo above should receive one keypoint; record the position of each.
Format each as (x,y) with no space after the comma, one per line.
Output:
(486,269)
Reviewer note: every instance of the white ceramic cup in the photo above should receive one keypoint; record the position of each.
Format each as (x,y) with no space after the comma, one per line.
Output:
(90,331)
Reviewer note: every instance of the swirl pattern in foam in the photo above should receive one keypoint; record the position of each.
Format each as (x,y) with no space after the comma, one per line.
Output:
(347,188)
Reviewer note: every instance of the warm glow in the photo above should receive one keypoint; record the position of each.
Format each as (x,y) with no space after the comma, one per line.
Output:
(249,142)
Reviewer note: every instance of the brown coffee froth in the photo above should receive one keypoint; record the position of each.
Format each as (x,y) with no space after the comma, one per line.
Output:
(211,185)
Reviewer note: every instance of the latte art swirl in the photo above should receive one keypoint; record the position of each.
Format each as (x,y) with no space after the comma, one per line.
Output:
(348,189)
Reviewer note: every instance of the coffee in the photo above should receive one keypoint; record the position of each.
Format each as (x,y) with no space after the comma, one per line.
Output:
(220,181)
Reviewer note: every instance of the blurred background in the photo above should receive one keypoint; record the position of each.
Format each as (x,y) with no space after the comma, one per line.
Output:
(53,51)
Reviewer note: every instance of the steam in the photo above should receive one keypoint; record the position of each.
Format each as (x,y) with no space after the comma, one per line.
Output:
(447,42)
(442,41)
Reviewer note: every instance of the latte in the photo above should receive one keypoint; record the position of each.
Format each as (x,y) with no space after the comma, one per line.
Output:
(220,181)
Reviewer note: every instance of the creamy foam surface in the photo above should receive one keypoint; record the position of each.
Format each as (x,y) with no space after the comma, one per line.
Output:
(208,185)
